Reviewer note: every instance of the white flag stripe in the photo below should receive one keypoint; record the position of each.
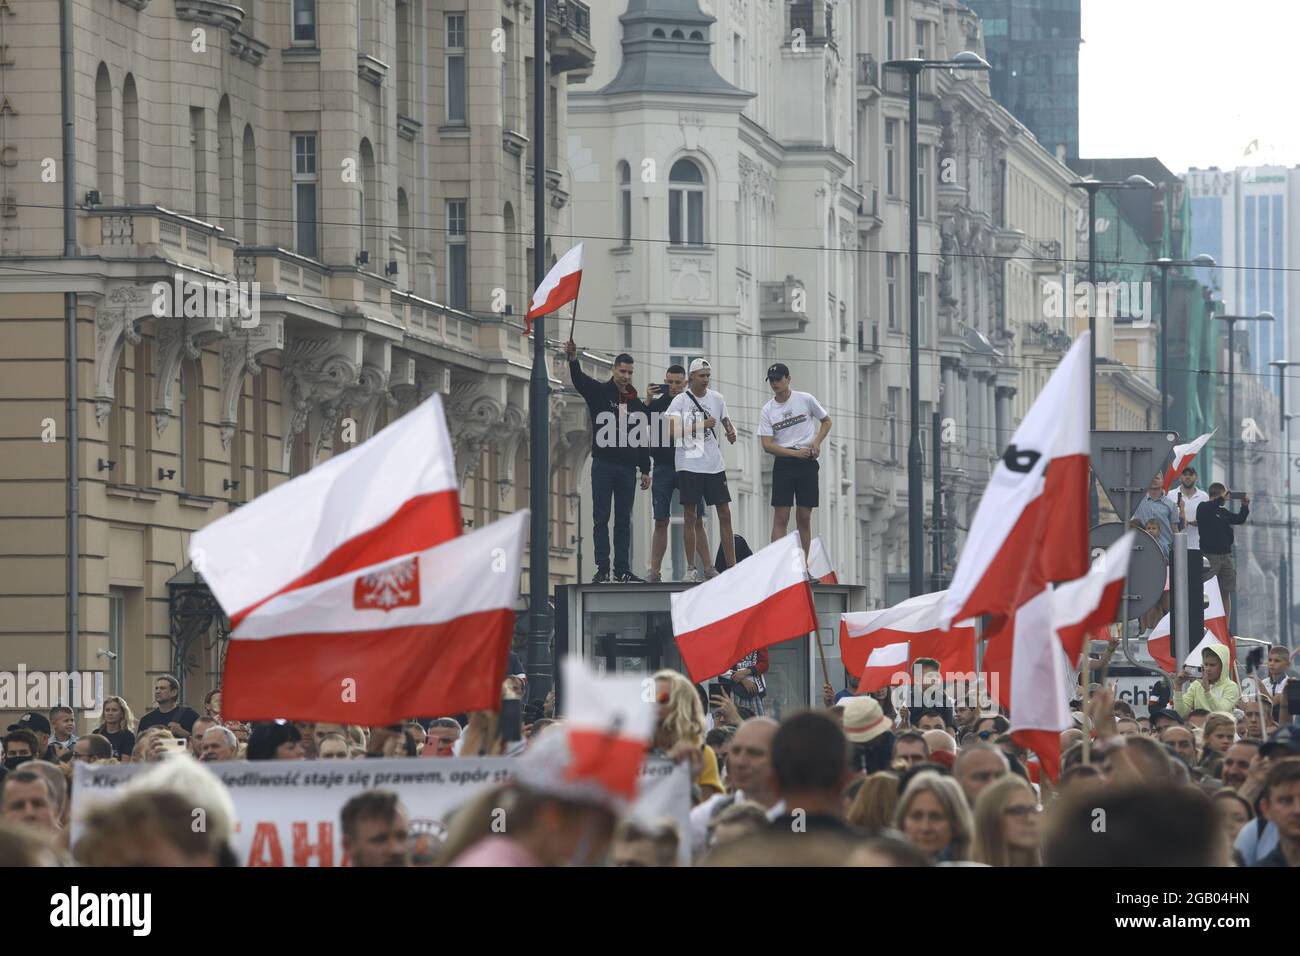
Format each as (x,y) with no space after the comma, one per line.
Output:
(1052,428)
(278,536)
(1214,600)
(1038,670)
(889,655)
(772,569)
(605,702)
(1194,658)
(915,615)
(567,264)
(819,564)
(1192,447)
(1075,600)
(472,573)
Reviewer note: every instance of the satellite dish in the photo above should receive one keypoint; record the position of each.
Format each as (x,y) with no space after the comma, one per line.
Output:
(1146,566)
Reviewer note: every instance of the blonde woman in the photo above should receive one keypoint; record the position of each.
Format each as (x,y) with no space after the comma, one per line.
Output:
(1218,734)
(873,808)
(934,817)
(118,725)
(1007,824)
(680,731)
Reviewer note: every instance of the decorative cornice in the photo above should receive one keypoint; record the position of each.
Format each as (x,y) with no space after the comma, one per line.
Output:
(117,322)
(317,371)
(177,339)
(240,355)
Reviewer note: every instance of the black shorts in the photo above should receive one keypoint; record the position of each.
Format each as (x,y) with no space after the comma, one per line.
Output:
(794,481)
(693,486)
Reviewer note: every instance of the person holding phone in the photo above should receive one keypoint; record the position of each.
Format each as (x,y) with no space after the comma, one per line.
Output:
(1215,521)
(663,480)
(1214,690)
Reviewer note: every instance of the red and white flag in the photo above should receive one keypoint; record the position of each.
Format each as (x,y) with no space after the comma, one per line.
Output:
(915,623)
(819,564)
(611,723)
(1214,618)
(883,665)
(1031,527)
(425,633)
(1082,606)
(558,288)
(1039,705)
(393,495)
(763,600)
(1183,455)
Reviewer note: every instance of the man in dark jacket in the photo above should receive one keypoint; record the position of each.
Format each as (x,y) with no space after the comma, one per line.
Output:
(1215,522)
(619,440)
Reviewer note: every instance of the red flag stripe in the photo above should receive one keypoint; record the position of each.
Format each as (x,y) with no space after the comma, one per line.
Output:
(710,650)
(1045,743)
(453,667)
(613,761)
(423,522)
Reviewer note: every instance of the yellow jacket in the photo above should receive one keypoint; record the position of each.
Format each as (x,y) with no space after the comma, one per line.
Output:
(1220,698)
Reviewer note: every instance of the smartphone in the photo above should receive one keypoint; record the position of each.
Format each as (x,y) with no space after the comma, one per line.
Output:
(1236,495)
(715,690)
(512,720)
(174,745)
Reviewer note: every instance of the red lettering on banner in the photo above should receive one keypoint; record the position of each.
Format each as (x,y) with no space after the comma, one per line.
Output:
(266,839)
(323,849)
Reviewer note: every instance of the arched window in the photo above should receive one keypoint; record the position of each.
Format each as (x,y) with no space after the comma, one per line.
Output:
(658,32)
(404,229)
(130,140)
(225,166)
(625,203)
(104,136)
(514,295)
(697,35)
(686,203)
(250,187)
(369,204)
(679,35)
(191,426)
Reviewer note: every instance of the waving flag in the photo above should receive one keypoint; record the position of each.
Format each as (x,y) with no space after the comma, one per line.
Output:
(914,623)
(819,564)
(1183,455)
(558,288)
(392,495)
(1081,606)
(883,664)
(1032,523)
(763,600)
(424,633)
(1215,620)
(610,725)
(1040,701)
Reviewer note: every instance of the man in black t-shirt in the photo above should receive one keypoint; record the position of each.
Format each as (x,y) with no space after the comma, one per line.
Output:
(170,712)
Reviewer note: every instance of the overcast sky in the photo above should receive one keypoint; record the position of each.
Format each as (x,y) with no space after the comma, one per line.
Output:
(1192,82)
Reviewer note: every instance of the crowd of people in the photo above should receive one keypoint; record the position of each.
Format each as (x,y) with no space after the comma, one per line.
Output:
(866,779)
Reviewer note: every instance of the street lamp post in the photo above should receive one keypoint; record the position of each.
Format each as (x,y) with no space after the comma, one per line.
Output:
(965,60)
(1093,186)
(1162,384)
(1284,420)
(1232,320)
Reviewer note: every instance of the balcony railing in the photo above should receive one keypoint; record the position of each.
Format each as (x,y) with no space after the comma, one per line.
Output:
(868,71)
(572,16)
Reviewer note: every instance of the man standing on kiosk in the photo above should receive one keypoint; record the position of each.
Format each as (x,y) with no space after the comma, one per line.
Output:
(695,416)
(787,431)
(1186,498)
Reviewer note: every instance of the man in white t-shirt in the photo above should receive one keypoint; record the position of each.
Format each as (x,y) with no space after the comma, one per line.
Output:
(1186,497)
(789,432)
(694,416)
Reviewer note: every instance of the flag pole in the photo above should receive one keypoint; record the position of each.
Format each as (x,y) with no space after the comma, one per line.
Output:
(1085,678)
(573,320)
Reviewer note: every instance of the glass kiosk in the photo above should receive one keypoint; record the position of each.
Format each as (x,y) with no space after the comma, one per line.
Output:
(627,629)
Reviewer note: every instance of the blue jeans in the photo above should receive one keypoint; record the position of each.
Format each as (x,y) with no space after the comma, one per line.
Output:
(610,480)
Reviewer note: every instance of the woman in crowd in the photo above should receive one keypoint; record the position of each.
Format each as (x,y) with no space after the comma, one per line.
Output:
(1006,824)
(1234,810)
(680,731)
(1218,734)
(934,817)
(212,704)
(118,725)
(275,740)
(877,799)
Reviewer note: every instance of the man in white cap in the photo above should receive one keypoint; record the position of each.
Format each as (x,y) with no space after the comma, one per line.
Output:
(694,416)
(792,427)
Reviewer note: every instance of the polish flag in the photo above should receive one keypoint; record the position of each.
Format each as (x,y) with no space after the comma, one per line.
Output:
(819,564)
(763,600)
(1032,523)
(392,495)
(1183,455)
(1082,606)
(610,726)
(914,621)
(558,288)
(1194,658)
(1214,618)
(425,633)
(882,664)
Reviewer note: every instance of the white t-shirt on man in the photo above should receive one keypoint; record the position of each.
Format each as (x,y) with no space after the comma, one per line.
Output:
(699,451)
(1189,510)
(794,423)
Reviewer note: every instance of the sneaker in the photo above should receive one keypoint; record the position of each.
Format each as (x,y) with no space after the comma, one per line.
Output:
(654,577)
(710,574)
(602,576)
(694,576)
(627,577)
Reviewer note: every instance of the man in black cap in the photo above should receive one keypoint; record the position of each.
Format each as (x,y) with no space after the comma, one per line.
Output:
(37,724)
(788,433)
